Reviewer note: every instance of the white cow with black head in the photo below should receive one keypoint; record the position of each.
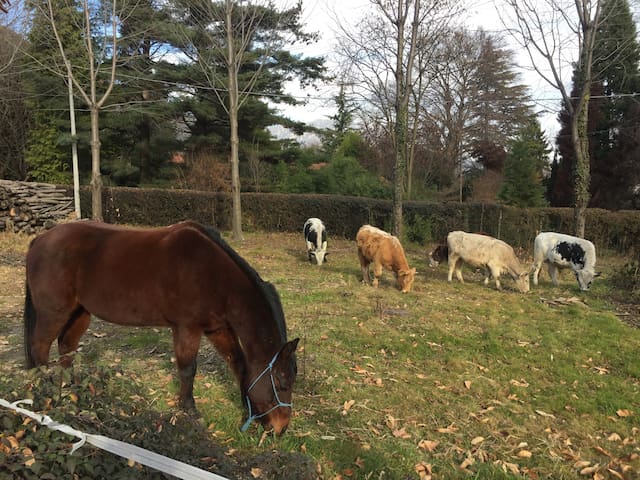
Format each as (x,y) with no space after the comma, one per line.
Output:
(560,251)
(315,235)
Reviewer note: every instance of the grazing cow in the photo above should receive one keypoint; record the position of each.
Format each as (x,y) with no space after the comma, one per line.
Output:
(316,237)
(383,250)
(560,251)
(438,255)
(483,251)
(441,252)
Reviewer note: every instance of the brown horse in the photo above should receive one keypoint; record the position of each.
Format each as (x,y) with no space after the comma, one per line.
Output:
(185,277)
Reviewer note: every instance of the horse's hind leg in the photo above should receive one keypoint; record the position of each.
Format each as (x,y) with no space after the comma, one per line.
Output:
(186,343)
(41,335)
(69,338)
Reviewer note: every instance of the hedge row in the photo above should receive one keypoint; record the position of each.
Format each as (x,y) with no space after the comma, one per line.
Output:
(424,222)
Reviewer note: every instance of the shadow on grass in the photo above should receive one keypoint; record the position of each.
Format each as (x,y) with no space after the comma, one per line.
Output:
(106,401)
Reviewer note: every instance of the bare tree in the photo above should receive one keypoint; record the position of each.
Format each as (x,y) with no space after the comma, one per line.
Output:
(15,118)
(388,49)
(563,34)
(474,104)
(450,98)
(89,77)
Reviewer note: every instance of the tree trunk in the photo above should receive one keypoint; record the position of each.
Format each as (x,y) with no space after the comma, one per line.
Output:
(236,208)
(96,179)
(582,177)
(400,168)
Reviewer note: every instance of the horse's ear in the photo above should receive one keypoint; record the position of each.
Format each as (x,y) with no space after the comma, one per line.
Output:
(289,348)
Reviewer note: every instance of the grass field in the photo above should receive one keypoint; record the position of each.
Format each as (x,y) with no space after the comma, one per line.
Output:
(449,381)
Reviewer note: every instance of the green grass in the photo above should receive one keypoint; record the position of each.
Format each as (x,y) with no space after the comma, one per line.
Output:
(544,381)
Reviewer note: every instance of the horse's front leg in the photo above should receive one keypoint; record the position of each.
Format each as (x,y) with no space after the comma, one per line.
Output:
(227,346)
(186,343)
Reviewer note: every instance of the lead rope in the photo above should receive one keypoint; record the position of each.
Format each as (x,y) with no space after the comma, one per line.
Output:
(253,417)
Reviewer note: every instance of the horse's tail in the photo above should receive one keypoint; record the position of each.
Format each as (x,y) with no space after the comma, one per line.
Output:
(29,326)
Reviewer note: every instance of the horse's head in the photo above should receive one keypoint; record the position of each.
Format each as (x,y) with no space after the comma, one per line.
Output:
(268,395)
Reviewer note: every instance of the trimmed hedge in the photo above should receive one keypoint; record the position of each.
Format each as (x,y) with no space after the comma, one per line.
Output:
(424,222)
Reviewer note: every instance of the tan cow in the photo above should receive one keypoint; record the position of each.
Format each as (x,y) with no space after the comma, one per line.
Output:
(383,250)
(482,251)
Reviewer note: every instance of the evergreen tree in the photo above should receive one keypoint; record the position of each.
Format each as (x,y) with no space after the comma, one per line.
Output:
(48,147)
(140,135)
(208,121)
(499,104)
(614,118)
(341,122)
(523,168)
(615,165)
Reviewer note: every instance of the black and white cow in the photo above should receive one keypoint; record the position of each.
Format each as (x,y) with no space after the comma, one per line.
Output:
(315,235)
(560,251)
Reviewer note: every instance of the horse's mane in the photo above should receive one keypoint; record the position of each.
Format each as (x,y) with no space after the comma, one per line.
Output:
(268,290)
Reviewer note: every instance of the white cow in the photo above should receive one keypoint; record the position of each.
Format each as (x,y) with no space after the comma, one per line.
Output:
(315,236)
(560,251)
(483,251)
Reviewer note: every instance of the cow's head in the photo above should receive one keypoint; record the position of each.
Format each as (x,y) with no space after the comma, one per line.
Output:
(585,278)
(318,256)
(439,254)
(405,279)
(522,282)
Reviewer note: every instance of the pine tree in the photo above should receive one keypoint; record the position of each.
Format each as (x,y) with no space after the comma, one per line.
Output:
(523,169)
(614,118)
(615,165)
(48,152)
(341,121)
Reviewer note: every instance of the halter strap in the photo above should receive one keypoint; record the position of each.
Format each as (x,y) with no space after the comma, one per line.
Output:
(252,417)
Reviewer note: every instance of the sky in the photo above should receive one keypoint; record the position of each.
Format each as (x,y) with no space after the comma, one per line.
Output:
(323,16)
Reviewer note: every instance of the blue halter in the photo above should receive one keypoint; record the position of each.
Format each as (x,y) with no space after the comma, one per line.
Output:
(280,403)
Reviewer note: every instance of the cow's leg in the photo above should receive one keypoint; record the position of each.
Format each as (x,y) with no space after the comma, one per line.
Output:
(452,266)
(377,272)
(186,343)
(364,267)
(69,338)
(537,265)
(487,275)
(459,262)
(495,273)
(553,273)
(228,348)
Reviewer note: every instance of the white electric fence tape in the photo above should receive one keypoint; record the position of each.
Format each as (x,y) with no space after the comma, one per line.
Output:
(123,449)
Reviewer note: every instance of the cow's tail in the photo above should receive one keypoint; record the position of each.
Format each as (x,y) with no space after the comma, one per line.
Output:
(29,326)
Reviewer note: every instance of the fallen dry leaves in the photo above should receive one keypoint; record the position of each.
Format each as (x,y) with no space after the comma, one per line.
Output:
(424,470)
(347,405)
(624,413)
(428,445)
(256,472)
